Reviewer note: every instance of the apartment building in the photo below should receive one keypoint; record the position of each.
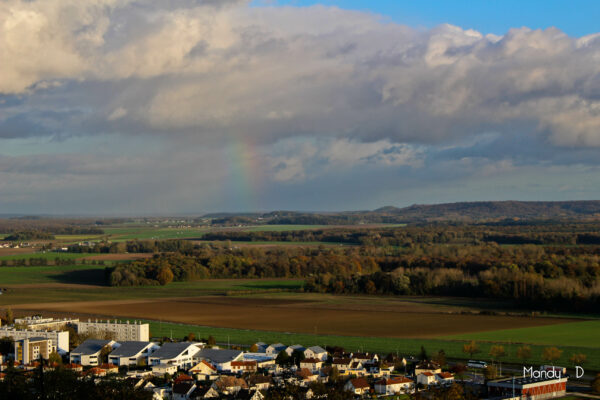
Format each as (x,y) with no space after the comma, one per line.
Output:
(128,331)
(31,349)
(37,323)
(59,340)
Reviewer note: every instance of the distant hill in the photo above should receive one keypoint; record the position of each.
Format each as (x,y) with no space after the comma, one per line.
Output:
(471,212)
(497,210)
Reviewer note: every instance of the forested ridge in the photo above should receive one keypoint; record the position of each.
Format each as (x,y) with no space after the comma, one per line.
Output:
(540,277)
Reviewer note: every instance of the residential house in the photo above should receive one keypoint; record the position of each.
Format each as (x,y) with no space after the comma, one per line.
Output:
(203,371)
(426,378)
(394,385)
(312,364)
(261,347)
(262,359)
(204,392)
(358,386)
(161,369)
(88,352)
(342,364)
(183,390)
(247,394)
(275,349)
(229,385)
(240,367)
(179,354)
(110,368)
(427,366)
(316,352)
(260,382)
(445,378)
(132,353)
(290,349)
(357,369)
(306,376)
(220,358)
(365,358)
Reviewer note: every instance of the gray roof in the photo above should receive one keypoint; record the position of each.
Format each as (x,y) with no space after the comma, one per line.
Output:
(90,346)
(317,349)
(218,356)
(129,349)
(298,347)
(171,350)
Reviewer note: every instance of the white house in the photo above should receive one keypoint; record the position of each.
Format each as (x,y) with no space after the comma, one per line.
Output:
(275,348)
(358,386)
(311,364)
(161,369)
(445,378)
(394,385)
(316,352)
(220,358)
(297,347)
(426,378)
(132,353)
(179,354)
(203,371)
(88,352)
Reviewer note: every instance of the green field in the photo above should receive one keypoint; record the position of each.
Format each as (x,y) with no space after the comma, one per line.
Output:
(585,333)
(88,274)
(452,348)
(74,293)
(47,255)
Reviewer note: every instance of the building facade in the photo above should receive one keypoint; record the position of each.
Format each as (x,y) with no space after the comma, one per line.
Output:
(59,340)
(135,331)
(32,349)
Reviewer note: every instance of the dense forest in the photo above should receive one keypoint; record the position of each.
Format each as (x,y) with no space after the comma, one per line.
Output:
(537,277)
(544,234)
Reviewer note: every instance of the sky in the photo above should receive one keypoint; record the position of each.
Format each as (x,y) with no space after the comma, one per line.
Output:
(122,107)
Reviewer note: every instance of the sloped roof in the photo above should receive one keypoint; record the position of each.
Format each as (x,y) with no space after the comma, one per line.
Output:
(317,349)
(360,383)
(129,348)
(218,356)
(171,350)
(90,346)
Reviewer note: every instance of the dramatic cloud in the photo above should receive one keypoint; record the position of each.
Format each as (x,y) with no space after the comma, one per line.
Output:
(315,92)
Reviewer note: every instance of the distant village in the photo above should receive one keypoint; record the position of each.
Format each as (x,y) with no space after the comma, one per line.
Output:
(193,369)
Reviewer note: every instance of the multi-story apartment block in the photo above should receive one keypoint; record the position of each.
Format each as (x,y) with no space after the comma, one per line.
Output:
(32,349)
(59,340)
(135,331)
(44,324)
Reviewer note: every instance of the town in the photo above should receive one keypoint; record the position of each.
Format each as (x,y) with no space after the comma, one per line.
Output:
(201,369)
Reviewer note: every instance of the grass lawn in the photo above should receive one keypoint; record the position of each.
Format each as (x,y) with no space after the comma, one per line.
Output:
(585,333)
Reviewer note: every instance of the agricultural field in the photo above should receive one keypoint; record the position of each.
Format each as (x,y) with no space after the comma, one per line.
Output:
(582,333)
(402,346)
(50,256)
(64,274)
(289,314)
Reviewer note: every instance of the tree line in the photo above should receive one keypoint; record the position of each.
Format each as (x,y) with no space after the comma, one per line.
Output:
(549,278)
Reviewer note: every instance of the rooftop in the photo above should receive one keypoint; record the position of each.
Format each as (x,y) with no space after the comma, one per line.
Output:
(130,348)
(90,346)
(171,350)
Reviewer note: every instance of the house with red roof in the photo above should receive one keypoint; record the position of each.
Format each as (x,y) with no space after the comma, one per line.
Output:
(395,385)
(358,386)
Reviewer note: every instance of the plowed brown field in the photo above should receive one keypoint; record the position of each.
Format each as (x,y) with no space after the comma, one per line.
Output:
(302,316)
